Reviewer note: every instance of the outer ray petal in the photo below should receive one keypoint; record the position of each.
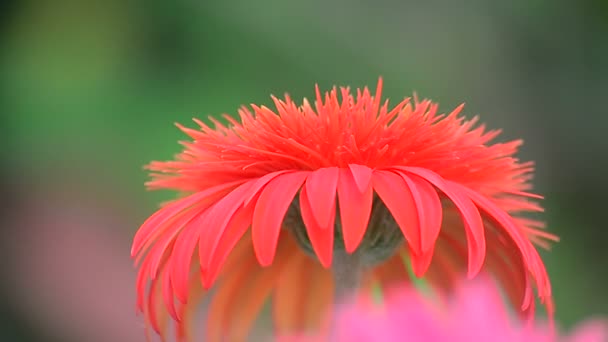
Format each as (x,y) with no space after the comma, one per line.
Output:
(397,197)
(269,212)
(237,227)
(321,189)
(470,215)
(355,209)
(321,239)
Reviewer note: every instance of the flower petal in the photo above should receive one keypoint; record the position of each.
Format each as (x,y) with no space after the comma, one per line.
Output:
(355,209)
(217,221)
(362,175)
(181,256)
(470,215)
(236,228)
(150,227)
(429,209)
(398,198)
(269,212)
(504,220)
(321,239)
(321,189)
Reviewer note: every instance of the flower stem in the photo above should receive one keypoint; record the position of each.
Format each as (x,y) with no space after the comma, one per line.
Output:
(347,270)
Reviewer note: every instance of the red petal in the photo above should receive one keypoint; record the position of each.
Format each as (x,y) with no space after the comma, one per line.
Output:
(167,291)
(355,209)
(429,209)
(504,220)
(216,222)
(421,262)
(237,227)
(158,251)
(468,211)
(269,212)
(260,183)
(398,198)
(158,219)
(181,257)
(321,239)
(321,189)
(362,175)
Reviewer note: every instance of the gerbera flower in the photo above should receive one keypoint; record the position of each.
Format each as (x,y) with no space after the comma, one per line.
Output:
(475,312)
(362,189)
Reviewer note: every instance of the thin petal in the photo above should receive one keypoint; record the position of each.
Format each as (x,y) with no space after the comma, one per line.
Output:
(270,210)
(355,209)
(321,189)
(470,215)
(398,198)
(321,239)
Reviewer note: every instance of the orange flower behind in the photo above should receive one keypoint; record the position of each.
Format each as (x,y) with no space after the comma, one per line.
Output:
(348,177)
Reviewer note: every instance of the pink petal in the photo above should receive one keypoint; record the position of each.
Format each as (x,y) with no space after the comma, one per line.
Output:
(468,211)
(321,189)
(270,210)
(398,198)
(355,209)
(321,239)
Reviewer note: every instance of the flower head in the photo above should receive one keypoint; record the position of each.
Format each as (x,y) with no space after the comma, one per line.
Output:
(475,312)
(348,175)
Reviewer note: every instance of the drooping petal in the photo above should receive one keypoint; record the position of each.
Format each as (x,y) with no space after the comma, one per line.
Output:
(149,228)
(397,197)
(429,209)
(529,253)
(181,256)
(355,208)
(167,292)
(269,212)
(321,189)
(217,220)
(362,176)
(470,215)
(321,239)
(237,227)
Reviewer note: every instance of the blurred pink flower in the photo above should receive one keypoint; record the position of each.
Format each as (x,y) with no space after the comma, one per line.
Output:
(476,312)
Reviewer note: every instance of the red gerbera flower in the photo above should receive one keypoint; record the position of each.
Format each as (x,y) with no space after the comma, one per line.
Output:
(351,177)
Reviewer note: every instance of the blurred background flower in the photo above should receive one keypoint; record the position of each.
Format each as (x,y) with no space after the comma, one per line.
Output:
(475,312)
(91,88)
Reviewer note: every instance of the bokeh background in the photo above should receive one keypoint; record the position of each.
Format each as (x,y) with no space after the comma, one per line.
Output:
(90,91)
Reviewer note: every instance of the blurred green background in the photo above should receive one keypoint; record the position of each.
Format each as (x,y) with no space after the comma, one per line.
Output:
(91,89)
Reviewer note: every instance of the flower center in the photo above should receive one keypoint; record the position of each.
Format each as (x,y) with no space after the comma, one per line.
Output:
(381,240)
